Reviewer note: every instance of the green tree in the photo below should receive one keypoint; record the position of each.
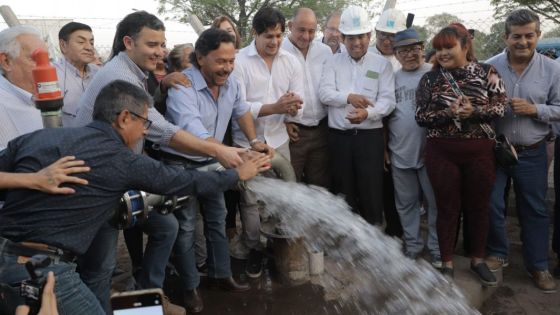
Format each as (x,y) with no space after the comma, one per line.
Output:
(555,32)
(550,9)
(241,12)
(436,22)
(494,41)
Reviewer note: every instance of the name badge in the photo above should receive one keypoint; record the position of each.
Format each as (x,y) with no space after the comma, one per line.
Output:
(372,74)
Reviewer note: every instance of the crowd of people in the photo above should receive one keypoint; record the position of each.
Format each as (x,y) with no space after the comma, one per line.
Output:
(397,136)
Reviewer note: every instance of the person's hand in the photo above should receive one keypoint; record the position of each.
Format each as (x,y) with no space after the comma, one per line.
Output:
(255,163)
(288,103)
(521,106)
(358,101)
(293,131)
(48,179)
(386,160)
(357,115)
(48,299)
(263,148)
(229,157)
(465,108)
(174,79)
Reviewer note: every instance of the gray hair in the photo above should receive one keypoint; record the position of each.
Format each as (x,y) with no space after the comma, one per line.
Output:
(522,17)
(176,56)
(117,96)
(9,43)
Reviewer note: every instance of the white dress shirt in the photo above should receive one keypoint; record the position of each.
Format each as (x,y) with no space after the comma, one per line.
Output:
(18,114)
(263,86)
(372,76)
(312,66)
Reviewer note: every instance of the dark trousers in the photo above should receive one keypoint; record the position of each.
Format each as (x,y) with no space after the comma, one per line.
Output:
(393,226)
(356,161)
(556,233)
(462,173)
(309,155)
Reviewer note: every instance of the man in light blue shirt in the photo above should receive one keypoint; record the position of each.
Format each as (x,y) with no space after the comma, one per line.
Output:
(74,69)
(531,81)
(18,114)
(204,110)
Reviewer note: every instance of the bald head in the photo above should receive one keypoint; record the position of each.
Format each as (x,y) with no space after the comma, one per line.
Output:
(302,29)
(305,14)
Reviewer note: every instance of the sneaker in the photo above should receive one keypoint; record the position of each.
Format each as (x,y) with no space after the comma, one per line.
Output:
(494,263)
(172,309)
(436,262)
(448,273)
(484,274)
(544,281)
(254,264)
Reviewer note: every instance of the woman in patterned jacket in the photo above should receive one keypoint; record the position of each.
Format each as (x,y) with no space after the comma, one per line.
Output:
(454,101)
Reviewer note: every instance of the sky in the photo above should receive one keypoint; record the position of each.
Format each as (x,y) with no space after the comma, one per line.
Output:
(103,15)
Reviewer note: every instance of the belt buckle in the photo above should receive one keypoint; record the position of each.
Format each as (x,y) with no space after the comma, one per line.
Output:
(354,131)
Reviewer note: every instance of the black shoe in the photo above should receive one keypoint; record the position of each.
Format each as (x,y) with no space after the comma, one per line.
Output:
(193,301)
(229,284)
(484,274)
(254,264)
(202,270)
(556,271)
(448,273)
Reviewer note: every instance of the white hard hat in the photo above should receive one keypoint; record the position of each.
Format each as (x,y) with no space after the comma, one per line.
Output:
(354,21)
(391,21)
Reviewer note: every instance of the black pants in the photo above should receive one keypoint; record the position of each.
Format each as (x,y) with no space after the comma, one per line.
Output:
(556,233)
(356,160)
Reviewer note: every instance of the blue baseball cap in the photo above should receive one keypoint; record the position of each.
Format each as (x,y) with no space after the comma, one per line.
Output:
(407,37)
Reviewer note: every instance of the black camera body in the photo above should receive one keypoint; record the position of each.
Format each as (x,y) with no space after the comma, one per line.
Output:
(32,289)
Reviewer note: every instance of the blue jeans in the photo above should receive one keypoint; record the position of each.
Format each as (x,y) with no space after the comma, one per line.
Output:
(213,210)
(72,295)
(99,262)
(530,185)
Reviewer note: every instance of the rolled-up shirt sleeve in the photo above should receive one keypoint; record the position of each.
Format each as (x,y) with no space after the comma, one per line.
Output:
(161,131)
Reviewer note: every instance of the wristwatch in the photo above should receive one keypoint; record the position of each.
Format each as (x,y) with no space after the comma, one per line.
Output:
(254,141)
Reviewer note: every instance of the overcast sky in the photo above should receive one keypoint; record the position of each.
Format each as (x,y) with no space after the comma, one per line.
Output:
(103,15)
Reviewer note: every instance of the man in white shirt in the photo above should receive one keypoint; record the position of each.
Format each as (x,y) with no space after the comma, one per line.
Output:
(308,133)
(272,82)
(74,69)
(18,114)
(390,22)
(359,89)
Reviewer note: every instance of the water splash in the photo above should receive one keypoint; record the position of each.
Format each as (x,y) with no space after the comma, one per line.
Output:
(377,277)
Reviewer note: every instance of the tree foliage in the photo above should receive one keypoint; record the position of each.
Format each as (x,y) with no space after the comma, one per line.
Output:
(241,12)
(550,9)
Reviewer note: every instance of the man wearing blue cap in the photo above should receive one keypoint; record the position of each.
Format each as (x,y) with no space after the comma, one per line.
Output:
(406,148)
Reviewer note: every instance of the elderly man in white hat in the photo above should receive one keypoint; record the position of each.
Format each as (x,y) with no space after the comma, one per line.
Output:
(359,89)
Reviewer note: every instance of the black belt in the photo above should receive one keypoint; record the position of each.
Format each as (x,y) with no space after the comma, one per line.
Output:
(304,127)
(353,132)
(29,249)
(170,157)
(520,148)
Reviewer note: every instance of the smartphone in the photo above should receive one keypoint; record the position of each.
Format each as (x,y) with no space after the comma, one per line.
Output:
(141,302)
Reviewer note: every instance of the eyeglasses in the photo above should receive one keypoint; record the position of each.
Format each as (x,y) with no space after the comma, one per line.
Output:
(385,36)
(405,52)
(147,122)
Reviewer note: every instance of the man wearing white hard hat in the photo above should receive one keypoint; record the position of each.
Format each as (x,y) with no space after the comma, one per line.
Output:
(358,88)
(390,22)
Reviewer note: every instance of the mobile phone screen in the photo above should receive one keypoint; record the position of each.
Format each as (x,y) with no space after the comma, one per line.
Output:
(138,303)
(144,310)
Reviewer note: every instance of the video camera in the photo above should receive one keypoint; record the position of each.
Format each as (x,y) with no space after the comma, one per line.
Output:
(30,290)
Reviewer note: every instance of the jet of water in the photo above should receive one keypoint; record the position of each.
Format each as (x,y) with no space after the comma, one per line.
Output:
(370,272)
